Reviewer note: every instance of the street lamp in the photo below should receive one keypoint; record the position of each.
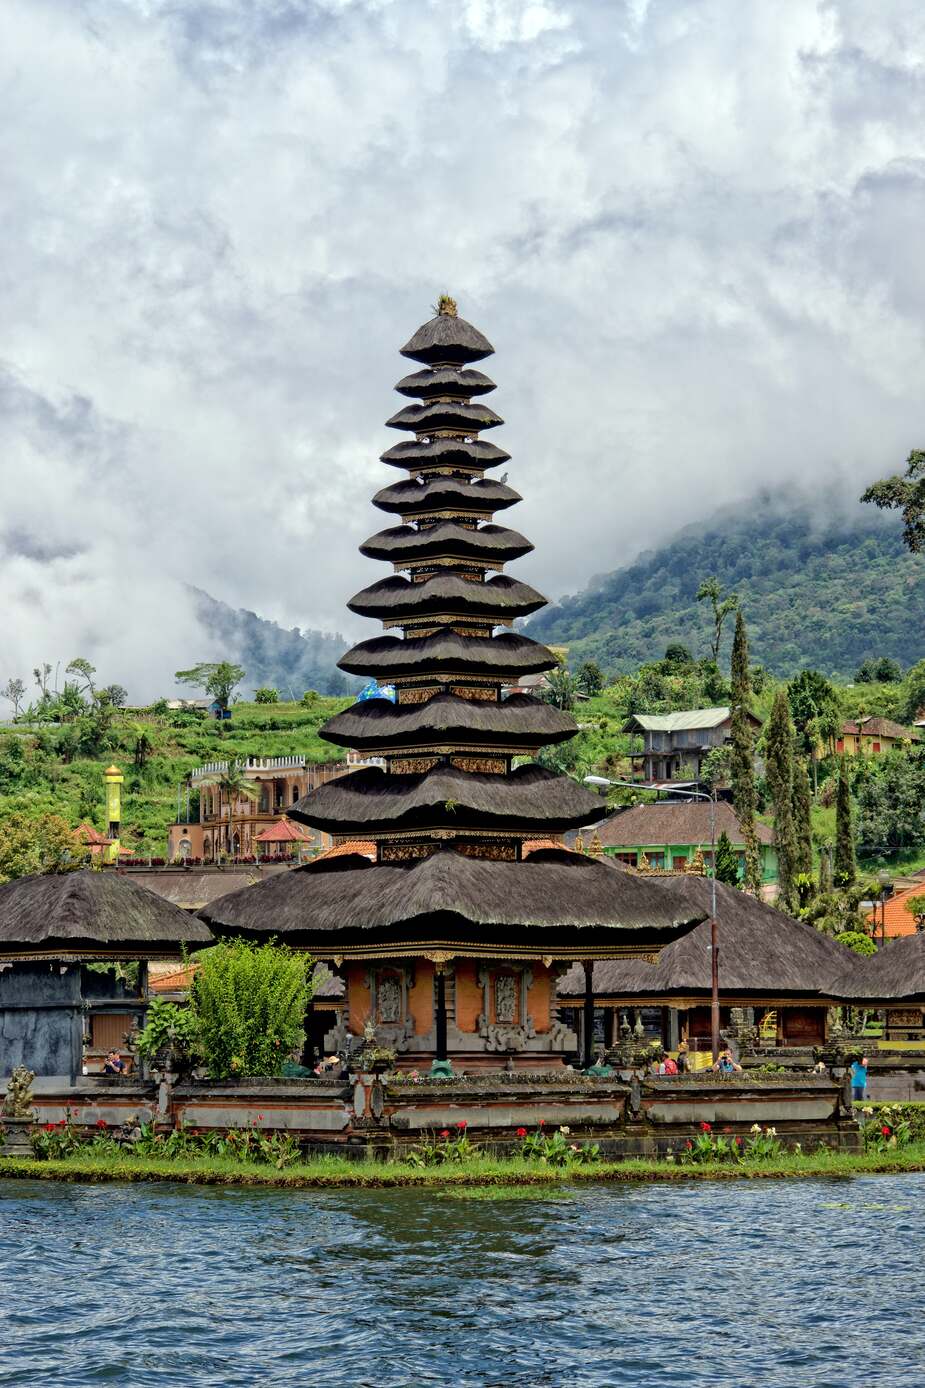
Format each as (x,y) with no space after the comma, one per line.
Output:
(689,793)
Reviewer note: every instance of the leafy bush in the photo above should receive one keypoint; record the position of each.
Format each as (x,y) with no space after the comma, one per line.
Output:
(52,1141)
(762,1144)
(168,1026)
(250,1003)
(266,695)
(858,941)
(554,1149)
(444,1148)
(887,1126)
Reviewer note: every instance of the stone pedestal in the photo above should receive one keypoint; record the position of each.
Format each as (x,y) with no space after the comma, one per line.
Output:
(16,1143)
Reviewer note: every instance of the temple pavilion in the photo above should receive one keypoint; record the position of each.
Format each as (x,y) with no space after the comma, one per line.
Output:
(451,940)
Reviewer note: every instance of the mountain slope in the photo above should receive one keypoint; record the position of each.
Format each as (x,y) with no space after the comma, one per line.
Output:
(823,596)
(290,661)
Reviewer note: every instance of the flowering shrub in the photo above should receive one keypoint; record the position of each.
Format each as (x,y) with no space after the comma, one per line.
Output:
(762,1144)
(446,1146)
(250,1144)
(887,1126)
(52,1141)
(555,1149)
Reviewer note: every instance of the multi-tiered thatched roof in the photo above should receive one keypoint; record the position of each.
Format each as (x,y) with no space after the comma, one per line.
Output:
(448,809)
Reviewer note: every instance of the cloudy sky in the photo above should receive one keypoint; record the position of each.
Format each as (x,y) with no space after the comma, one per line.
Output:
(692,229)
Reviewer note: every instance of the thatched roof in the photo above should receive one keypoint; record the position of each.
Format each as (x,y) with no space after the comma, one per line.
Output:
(674,823)
(896,973)
(91,914)
(447,339)
(445,414)
(519,721)
(507,655)
(471,454)
(762,953)
(445,380)
(411,497)
(529,799)
(447,539)
(556,902)
(501,597)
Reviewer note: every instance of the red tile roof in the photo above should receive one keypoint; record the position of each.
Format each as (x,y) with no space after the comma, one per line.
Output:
(899,921)
(283,832)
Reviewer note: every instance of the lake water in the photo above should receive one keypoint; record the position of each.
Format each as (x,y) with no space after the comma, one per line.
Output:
(809,1284)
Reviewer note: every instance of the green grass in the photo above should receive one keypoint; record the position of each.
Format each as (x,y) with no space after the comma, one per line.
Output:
(338,1173)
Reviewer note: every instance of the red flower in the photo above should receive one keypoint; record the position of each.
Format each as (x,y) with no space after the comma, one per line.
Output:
(542,1123)
(50,1127)
(688,1143)
(706,1128)
(521,1132)
(738,1142)
(886,1131)
(63,1123)
(445,1132)
(101,1123)
(462,1125)
(259,1117)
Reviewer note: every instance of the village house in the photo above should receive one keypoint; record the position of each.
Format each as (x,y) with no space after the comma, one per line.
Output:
(668,834)
(872,736)
(676,745)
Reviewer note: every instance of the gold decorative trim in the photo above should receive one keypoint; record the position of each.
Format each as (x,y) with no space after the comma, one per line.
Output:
(468,949)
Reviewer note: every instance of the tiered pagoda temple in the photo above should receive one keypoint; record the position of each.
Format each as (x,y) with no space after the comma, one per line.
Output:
(452,940)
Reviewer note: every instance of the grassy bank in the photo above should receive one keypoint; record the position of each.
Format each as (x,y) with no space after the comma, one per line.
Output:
(338,1173)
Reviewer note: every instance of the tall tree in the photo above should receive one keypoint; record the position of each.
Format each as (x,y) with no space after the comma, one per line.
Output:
(14,690)
(908,495)
(742,768)
(844,868)
(727,861)
(802,822)
(779,764)
(722,605)
(218,678)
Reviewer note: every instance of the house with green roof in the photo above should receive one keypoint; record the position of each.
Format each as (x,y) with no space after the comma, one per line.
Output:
(669,833)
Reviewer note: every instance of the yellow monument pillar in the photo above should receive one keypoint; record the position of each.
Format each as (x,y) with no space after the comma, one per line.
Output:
(113,780)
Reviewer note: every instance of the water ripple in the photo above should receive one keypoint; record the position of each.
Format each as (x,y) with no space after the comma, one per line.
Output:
(776,1284)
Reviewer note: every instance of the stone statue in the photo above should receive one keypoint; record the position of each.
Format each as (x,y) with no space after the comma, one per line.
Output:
(389,999)
(18,1101)
(505,998)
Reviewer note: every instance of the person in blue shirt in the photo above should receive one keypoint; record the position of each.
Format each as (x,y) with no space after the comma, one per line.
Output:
(858,1074)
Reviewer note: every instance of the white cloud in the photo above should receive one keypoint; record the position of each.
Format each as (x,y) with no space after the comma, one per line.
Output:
(691,229)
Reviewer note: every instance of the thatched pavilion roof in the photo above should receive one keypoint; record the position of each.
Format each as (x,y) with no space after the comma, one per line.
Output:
(445,380)
(507,656)
(444,414)
(520,722)
(527,801)
(493,544)
(91,915)
(896,973)
(501,598)
(763,955)
(411,497)
(469,454)
(447,339)
(556,903)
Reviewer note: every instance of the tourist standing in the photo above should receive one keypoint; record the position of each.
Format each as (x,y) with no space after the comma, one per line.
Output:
(858,1076)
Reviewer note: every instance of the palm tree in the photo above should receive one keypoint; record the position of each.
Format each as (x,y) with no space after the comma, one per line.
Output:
(233,783)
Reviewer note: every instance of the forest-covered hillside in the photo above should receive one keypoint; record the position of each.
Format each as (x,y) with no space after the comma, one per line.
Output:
(818,595)
(288,660)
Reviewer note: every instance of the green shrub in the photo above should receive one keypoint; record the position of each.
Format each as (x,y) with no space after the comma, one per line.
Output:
(554,1149)
(887,1126)
(444,1148)
(168,1026)
(250,1003)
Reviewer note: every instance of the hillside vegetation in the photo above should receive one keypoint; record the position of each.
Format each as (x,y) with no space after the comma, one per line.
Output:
(156,752)
(825,597)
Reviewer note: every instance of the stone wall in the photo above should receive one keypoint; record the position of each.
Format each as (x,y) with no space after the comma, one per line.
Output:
(364,1116)
(41,1019)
